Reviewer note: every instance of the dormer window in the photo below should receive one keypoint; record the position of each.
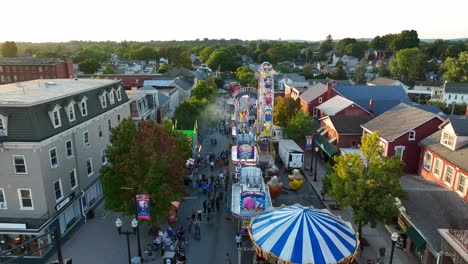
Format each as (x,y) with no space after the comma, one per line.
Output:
(71,111)
(447,140)
(55,116)
(119,93)
(111,96)
(103,99)
(320,100)
(3,126)
(84,106)
(412,135)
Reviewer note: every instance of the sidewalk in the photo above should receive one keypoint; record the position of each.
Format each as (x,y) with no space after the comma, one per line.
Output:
(377,237)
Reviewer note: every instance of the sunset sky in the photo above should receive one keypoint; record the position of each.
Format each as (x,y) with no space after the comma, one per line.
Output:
(142,20)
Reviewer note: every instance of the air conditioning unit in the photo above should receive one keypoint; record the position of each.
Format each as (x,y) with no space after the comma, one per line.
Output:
(2,205)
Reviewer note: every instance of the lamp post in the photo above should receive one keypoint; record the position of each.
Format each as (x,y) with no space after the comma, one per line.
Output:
(395,237)
(136,217)
(315,165)
(118,224)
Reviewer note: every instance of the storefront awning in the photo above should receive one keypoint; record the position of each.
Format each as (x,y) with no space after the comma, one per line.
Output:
(325,146)
(416,238)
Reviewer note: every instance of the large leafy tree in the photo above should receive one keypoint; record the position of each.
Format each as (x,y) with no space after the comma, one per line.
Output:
(149,161)
(246,76)
(97,53)
(226,59)
(144,53)
(299,126)
(285,108)
(341,45)
(108,69)
(9,49)
(340,73)
(360,72)
(89,66)
(456,69)
(369,186)
(205,53)
(205,90)
(410,65)
(187,112)
(405,40)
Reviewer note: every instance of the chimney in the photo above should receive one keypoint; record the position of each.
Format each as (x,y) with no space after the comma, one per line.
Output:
(371,105)
(329,90)
(466,112)
(134,86)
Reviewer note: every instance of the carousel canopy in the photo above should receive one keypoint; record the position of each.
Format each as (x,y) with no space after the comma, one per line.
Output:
(298,234)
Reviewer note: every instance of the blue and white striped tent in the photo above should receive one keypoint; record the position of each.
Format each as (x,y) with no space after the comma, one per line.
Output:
(299,234)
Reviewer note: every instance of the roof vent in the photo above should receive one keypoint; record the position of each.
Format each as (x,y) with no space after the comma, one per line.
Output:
(51,83)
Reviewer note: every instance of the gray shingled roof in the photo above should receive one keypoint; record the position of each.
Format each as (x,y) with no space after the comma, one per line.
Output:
(459,124)
(349,124)
(29,61)
(458,157)
(179,71)
(184,83)
(399,120)
(431,207)
(162,99)
(313,92)
(457,88)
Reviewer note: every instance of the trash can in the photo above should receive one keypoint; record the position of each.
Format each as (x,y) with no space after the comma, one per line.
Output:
(136,260)
(169,258)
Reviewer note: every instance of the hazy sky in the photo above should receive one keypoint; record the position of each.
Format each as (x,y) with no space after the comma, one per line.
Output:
(141,20)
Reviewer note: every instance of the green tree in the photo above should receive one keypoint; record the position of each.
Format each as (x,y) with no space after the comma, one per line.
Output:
(341,45)
(405,40)
(340,73)
(299,126)
(164,68)
(144,53)
(187,112)
(9,49)
(369,186)
(225,59)
(89,66)
(108,69)
(94,52)
(205,53)
(409,65)
(285,108)
(378,43)
(356,49)
(245,76)
(123,51)
(456,69)
(205,90)
(360,72)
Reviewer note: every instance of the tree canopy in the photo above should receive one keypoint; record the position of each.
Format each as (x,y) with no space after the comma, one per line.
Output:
(9,49)
(144,53)
(94,52)
(285,108)
(89,66)
(299,126)
(456,69)
(340,73)
(360,72)
(409,65)
(369,186)
(108,69)
(225,59)
(246,76)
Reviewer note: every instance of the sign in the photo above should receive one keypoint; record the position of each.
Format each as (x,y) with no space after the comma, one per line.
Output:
(402,224)
(308,145)
(252,201)
(245,151)
(65,201)
(143,206)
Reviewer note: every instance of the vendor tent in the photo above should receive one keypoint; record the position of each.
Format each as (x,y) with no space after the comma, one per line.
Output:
(299,234)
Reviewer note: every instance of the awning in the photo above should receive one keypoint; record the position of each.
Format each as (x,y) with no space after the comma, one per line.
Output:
(325,146)
(416,238)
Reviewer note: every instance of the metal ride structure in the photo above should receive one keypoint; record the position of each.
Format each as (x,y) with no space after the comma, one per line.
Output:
(265,104)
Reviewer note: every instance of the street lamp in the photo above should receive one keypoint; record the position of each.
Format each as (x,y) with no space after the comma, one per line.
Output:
(118,224)
(395,237)
(315,165)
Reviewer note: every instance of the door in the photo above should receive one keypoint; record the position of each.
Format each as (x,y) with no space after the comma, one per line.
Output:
(295,160)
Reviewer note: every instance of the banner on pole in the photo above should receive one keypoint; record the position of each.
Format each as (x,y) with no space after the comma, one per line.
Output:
(143,206)
(309,142)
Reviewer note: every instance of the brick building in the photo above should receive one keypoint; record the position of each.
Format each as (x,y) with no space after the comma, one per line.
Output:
(22,69)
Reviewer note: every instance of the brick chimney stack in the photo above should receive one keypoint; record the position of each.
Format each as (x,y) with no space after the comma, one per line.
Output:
(371,105)
(329,90)
(134,86)
(466,111)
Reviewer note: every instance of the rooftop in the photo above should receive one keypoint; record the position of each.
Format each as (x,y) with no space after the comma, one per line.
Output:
(383,81)
(459,124)
(29,61)
(39,91)
(334,105)
(349,124)
(459,88)
(313,92)
(457,157)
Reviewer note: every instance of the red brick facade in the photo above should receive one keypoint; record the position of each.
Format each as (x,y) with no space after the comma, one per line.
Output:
(309,107)
(19,73)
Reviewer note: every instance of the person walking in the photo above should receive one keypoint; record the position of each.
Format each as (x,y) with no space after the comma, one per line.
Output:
(189,222)
(204,206)
(228,258)
(193,215)
(238,240)
(199,211)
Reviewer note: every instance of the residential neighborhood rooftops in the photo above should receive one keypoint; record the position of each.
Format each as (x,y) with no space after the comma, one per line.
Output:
(446,207)
(159,83)
(183,83)
(179,71)
(313,92)
(350,125)
(38,91)
(334,105)
(382,81)
(398,120)
(456,88)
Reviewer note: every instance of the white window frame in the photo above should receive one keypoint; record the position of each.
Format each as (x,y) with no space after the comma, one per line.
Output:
(446,142)
(86,139)
(52,113)
(460,177)
(118,119)
(61,190)
(4,202)
(434,168)
(320,100)
(425,165)
(74,176)
(412,135)
(109,124)
(103,99)
(103,157)
(67,149)
(90,160)
(100,133)
(402,151)
(20,199)
(119,93)
(315,112)
(56,158)
(112,96)
(14,164)
(445,175)
(71,114)
(84,106)
(3,128)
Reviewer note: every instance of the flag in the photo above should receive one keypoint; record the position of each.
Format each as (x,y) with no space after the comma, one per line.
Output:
(195,126)
(143,206)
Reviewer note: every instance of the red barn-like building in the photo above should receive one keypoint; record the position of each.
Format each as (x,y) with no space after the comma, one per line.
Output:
(20,69)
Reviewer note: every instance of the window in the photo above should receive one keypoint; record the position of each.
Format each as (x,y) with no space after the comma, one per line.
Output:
(1,123)
(449,173)
(69,147)
(461,187)
(427,162)
(103,99)
(399,151)
(19,163)
(89,166)
(84,106)
(119,94)
(320,100)
(438,164)
(111,96)
(448,139)
(53,158)
(40,68)
(25,199)
(71,112)
(3,126)
(103,157)
(314,111)
(118,119)
(73,181)
(55,116)
(58,190)
(57,121)
(100,130)
(412,135)
(109,125)
(3,204)
(86,139)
